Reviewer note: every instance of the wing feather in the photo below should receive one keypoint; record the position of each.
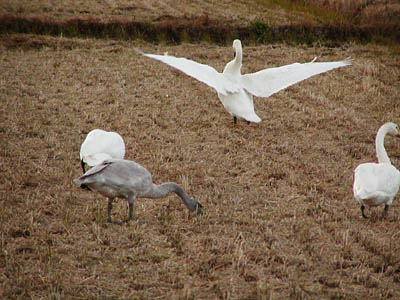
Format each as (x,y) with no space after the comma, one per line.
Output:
(376,179)
(266,82)
(96,169)
(201,72)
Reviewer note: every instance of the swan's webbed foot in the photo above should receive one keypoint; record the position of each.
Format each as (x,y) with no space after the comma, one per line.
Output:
(129,220)
(362,212)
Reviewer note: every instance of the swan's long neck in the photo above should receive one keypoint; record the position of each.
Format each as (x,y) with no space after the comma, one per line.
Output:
(238,58)
(380,146)
(159,191)
(234,66)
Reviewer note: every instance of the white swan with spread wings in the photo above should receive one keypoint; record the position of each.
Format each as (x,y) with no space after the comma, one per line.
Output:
(235,90)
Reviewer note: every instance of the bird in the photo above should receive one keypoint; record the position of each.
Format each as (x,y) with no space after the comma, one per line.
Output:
(377,183)
(235,90)
(100,145)
(120,178)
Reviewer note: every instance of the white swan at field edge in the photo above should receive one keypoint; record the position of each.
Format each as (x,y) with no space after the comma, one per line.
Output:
(235,90)
(100,145)
(377,183)
(126,179)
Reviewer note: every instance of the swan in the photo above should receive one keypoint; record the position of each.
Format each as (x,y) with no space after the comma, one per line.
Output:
(119,178)
(100,145)
(235,90)
(377,183)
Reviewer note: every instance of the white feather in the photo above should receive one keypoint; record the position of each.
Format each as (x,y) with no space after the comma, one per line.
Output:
(377,183)
(276,79)
(236,90)
(201,72)
(100,145)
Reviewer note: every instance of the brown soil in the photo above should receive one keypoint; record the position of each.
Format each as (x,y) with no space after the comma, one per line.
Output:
(280,223)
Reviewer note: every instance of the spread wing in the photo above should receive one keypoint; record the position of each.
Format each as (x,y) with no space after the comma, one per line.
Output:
(266,82)
(201,72)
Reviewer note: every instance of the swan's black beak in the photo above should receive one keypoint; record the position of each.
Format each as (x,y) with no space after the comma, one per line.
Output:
(85,187)
(83,166)
(199,209)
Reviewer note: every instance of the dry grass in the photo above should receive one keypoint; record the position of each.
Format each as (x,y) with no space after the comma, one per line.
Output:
(328,22)
(280,223)
(359,11)
(238,12)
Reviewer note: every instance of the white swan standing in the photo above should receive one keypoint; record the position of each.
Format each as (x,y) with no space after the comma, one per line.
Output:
(126,179)
(236,90)
(100,145)
(377,183)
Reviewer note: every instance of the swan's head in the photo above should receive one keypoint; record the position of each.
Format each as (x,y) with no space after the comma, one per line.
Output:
(237,46)
(392,129)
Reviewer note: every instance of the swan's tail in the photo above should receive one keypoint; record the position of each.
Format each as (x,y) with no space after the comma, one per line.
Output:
(249,117)
(254,119)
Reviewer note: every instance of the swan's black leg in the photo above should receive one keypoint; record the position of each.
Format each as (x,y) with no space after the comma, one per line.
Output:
(386,209)
(130,211)
(248,122)
(109,209)
(362,212)
(234,120)
(131,200)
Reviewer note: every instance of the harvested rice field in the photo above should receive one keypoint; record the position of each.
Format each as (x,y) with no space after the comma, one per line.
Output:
(280,219)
